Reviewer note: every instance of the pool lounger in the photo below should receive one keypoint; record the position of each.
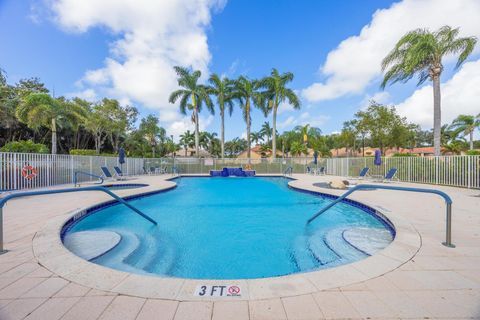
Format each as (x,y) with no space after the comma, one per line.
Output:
(107,174)
(362,175)
(388,177)
(119,174)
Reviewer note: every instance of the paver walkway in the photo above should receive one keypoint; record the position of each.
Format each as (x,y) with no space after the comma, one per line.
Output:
(438,282)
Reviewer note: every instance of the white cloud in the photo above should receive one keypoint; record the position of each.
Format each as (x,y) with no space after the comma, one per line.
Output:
(460,95)
(381,97)
(355,63)
(284,107)
(303,119)
(152,37)
(180,126)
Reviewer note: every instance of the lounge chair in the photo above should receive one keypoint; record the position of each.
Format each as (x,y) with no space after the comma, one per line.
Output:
(310,170)
(119,173)
(320,171)
(388,177)
(106,173)
(362,175)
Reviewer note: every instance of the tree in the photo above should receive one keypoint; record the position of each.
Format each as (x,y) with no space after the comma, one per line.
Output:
(298,148)
(307,132)
(420,52)
(466,125)
(152,132)
(384,126)
(187,139)
(41,110)
(256,137)
(196,93)
(266,131)
(222,89)
(277,93)
(248,95)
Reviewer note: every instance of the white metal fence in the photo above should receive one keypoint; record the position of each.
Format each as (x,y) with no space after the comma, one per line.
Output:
(460,171)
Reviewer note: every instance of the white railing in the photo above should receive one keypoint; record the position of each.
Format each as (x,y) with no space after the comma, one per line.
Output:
(55,169)
(460,171)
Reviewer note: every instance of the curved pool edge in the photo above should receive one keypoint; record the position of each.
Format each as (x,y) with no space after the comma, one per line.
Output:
(50,252)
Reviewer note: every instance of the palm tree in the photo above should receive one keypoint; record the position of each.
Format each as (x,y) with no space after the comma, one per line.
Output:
(420,52)
(307,132)
(187,139)
(196,93)
(246,92)
(266,131)
(222,89)
(276,93)
(255,137)
(298,148)
(41,110)
(466,124)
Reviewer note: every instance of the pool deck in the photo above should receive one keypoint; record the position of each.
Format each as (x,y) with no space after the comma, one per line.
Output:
(414,278)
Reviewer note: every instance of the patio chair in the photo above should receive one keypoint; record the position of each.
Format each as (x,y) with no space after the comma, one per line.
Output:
(362,175)
(310,170)
(153,170)
(388,177)
(320,171)
(106,174)
(119,173)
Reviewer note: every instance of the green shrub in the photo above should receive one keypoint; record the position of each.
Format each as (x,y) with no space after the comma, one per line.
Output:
(473,153)
(25,146)
(404,155)
(88,152)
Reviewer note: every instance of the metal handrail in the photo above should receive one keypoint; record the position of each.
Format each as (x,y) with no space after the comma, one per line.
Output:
(288,170)
(75,177)
(175,170)
(68,190)
(446,197)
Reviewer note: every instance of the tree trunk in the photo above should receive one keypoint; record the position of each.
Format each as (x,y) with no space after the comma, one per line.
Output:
(153,151)
(274,136)
(471,140)
(54,136)
(437,115)
(222,131)
(197,131)
(247,115)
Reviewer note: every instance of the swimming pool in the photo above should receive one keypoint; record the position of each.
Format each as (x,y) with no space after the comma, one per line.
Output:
(230,228)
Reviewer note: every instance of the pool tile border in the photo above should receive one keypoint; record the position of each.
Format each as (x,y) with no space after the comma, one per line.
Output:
(50,252)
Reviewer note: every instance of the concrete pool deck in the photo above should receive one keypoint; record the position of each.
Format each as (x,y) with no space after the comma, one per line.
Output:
(415,277)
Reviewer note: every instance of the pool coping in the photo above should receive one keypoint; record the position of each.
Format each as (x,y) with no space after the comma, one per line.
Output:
(50,252)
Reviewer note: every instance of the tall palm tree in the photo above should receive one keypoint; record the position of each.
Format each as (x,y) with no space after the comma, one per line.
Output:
(248,94)
(222,89)
(466,124)
(196,93)
(276,93)
(308,132)
(420,52)
(187,139)
(266,131)
(41,110)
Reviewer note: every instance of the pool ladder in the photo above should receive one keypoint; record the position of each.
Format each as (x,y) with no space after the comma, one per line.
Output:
(75,177)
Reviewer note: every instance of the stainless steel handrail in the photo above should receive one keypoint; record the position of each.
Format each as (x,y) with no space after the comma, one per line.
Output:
(68,190)
(75,177)
(446,197)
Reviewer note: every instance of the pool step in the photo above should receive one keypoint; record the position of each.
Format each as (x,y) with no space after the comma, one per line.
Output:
(164,257)
(143,254)
(320,250)
(335,241)
(115,258)
(302,257)
(368,240)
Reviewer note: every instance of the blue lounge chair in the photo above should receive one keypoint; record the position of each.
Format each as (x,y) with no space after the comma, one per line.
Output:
(362,175)
(119,173)
(106,173)
(320,171)
(389,176)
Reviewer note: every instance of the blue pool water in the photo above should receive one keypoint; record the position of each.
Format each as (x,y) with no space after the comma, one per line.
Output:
(235,228)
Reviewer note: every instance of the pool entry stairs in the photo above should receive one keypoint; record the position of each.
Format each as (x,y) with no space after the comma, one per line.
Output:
(338,246)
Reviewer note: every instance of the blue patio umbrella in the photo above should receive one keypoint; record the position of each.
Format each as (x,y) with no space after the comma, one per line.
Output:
(378,158)
(121,157)
(315,156)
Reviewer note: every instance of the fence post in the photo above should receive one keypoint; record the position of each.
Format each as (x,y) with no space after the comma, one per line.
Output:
(469,169)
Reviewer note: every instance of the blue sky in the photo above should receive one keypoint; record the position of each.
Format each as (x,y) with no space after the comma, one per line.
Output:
(332,47)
